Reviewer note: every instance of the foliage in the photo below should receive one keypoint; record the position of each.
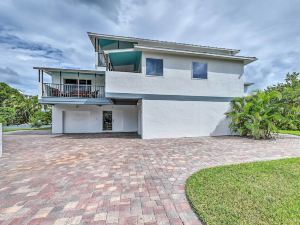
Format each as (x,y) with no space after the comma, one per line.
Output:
(40,118)
(20,106)
(7,115)
(255,116)
(293,132)
(262,114)
(289,104)
(251,193)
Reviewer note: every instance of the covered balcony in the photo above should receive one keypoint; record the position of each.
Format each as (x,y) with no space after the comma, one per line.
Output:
(68,86)
(116,55)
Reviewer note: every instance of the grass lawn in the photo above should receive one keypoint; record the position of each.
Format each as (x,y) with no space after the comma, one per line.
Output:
(33,128)
(294,132)
(252,193)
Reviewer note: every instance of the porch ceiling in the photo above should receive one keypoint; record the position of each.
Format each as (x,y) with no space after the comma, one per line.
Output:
(126,58)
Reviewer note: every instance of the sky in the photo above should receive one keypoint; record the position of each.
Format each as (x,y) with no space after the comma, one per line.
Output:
(53,33)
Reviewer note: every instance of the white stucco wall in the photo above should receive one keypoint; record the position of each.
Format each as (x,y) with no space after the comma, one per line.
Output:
(171,119)
(224,78)
(88,119)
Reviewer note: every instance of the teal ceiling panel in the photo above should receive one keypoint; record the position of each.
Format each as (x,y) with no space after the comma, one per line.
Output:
(126,58)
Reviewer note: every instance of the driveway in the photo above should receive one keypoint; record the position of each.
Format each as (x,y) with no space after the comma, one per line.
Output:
(113,179)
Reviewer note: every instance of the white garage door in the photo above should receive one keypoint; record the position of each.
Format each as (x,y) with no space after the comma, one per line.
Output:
(76,121)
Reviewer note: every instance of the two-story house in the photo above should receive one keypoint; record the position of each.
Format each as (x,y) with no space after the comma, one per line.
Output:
(155,88)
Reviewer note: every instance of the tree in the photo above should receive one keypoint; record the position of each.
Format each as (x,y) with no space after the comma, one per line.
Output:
(40,118)
(7,115)
(289,105)
(20,106)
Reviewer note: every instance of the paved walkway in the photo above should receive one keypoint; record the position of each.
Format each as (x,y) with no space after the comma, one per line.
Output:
(105,179)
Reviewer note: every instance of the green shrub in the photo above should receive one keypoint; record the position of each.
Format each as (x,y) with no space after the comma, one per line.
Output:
(255,116)
(7,115)
(40,118)
(261,115)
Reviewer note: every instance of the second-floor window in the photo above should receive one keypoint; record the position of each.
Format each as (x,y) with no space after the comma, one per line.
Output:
(154,67)
(199,70)
(75,81)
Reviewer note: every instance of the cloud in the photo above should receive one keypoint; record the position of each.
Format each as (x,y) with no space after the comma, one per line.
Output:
(53,33)
(37,49)
(110,8)
(10,76)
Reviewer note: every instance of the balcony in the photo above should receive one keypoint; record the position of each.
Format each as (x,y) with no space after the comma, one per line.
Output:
(72,91)
(71,86)
(73,94)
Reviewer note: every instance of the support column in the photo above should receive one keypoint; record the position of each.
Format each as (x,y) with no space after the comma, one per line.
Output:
(78,85)
(42,82)
(95,87)
(60,83)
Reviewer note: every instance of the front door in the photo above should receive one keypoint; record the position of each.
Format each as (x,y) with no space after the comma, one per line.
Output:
(107,120)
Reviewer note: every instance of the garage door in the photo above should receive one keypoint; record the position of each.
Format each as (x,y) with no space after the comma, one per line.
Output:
(76,121)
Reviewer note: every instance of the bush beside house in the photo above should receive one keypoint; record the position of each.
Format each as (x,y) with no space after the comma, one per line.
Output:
(263,114)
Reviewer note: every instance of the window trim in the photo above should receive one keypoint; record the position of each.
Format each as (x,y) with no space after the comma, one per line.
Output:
(154,75)
(192,70)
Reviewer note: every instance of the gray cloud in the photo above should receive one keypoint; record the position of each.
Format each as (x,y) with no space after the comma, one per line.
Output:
(110,8)
(34,30)
(10,76)
(37,49)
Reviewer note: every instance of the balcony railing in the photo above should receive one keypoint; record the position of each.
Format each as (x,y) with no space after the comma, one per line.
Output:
(73,91)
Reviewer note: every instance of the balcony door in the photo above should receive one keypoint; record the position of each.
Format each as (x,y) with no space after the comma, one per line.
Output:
(107,120)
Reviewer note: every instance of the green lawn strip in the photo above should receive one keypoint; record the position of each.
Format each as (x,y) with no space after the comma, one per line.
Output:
(252,193)
(21,129)
(293,132)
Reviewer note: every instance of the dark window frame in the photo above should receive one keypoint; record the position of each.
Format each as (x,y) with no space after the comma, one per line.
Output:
(155,74)
(200,78)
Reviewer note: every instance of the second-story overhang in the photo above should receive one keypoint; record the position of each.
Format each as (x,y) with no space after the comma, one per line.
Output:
(94,38)
(51,70)
(245,60)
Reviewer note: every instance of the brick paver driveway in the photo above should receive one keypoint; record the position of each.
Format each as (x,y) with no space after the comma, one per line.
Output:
(104,179)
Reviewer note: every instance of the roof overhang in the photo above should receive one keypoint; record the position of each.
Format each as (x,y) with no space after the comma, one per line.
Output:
(245,60)
(94,36)
(49,70)
(248,84)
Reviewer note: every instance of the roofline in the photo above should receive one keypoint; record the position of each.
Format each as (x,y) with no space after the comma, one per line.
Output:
(68,70)
(246,60)
(115,37)
(247,84)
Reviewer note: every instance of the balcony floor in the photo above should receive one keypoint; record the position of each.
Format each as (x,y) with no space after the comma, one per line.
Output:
(77,101)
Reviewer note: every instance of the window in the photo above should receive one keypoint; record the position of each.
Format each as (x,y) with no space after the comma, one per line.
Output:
(199,70)
(70,81)
(154,67)
(88,82)
(74,81)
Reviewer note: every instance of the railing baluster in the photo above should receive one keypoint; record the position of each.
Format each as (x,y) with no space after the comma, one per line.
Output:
(73,90)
